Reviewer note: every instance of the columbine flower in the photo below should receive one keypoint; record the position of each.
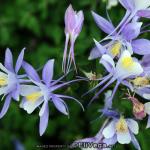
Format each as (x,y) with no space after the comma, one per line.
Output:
(119,130)
(125,38)
(99,139)
(73,26)
(119,38)
(123,69)
(123,131)
(10,80)
(42,93)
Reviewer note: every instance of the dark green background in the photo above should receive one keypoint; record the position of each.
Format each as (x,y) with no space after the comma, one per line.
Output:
(39,26)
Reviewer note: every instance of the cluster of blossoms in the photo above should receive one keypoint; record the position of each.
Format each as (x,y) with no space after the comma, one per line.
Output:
(119,53)
(34,92)
(116,52)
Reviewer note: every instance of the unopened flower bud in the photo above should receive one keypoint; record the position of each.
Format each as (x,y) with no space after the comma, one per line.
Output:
(138,108)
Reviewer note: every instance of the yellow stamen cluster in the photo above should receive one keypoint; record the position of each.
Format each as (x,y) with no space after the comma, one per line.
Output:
(141,81)
(121,125)
(115,50)
(34,96)
(3,81)
(127,62)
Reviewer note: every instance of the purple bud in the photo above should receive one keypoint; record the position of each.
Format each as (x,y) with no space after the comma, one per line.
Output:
(73,21)
(73,25)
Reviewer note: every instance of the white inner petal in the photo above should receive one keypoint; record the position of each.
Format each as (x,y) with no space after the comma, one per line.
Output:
(108,59)
(30,106)
(147,108)
(109,130)
(127,66)
(133,126)
(123,137)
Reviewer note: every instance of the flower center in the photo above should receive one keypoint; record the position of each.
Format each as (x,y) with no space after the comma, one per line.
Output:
(127,62)
(34,96)
(121,125)
(141,81)
(3,81)
(115,50)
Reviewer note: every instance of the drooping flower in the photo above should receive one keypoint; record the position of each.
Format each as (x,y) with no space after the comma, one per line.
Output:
(138,107)
(123,131)
(123,69)
(140,110)
(42,92)
(10,80)
(73,26)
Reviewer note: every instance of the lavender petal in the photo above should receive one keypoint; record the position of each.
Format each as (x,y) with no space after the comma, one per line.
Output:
(128,4)
(47,73)
(103,24)
(60,104)
(9,60)
(5,106)
(19,61)
(31,72)
(44,121)
(141,46)
(144,13)
(131,30)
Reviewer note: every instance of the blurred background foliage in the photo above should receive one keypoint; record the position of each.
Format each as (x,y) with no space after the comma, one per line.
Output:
(39,26)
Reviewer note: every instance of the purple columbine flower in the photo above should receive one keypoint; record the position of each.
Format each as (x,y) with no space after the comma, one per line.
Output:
(10,80)
(122,130)
(98,142)
(124,38)
(42,93)
(73,26)
(123,69)
(119,130)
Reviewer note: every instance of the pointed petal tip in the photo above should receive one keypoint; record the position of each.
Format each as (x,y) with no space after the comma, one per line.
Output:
(41,133)
(70,8)
(8,49)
